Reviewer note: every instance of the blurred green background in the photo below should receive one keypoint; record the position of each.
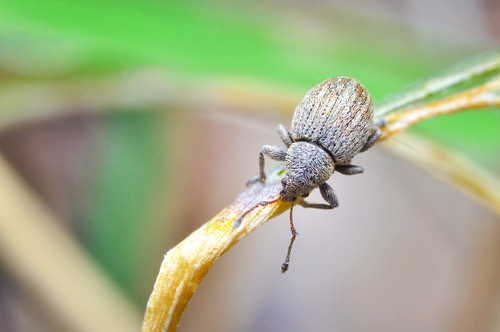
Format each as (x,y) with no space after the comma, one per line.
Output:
(119,113)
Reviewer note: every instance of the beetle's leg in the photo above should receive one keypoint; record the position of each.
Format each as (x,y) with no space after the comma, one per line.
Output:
(349,169)
(371,139)
(328,195)
(272,152)
(285,135)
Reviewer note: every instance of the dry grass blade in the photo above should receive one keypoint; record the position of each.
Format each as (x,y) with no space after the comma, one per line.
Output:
(484,96)
(185,265)
(465,72)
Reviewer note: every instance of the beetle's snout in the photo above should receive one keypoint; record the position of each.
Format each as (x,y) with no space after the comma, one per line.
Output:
(290,192)
(286,196)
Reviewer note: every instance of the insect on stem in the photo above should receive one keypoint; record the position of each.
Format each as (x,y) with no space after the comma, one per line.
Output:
(238,221)
(284,266)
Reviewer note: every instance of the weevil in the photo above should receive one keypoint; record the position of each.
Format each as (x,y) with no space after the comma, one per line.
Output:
(332,123)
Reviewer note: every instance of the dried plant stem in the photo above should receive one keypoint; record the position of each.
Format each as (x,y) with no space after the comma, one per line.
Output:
(487,95)
(478,67)
(184,266)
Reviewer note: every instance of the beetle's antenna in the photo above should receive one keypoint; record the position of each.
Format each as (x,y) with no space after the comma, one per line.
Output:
(404,144)
(238,221)
(284,266)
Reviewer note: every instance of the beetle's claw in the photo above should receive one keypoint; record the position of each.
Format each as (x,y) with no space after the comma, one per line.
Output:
(255,179)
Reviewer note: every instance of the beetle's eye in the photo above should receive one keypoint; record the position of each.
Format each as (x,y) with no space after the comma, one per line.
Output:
(305,195)
(283,182)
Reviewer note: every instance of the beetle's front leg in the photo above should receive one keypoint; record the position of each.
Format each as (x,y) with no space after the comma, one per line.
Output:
(328,195)
(272,152)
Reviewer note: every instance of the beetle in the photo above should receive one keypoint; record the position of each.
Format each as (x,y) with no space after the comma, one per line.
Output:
(332,123)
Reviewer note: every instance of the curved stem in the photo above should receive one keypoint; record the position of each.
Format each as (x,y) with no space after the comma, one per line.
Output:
(184,266)
(464,72)
(486,95)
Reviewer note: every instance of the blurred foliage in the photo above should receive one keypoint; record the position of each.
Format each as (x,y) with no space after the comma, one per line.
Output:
(129,166)
(200,38)
(49,40)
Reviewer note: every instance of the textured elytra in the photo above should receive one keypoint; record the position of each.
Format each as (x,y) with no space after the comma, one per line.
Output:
(336,114)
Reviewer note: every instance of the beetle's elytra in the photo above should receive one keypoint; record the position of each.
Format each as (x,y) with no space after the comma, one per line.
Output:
(337,115)
(330,126)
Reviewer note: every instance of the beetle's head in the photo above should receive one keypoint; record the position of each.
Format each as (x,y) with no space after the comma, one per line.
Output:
(292,190)
(306,167)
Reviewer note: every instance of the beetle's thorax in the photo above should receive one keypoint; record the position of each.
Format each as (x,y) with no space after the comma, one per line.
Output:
(306,167)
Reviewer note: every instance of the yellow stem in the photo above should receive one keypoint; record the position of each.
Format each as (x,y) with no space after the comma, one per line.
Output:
(487,95)
(184,266)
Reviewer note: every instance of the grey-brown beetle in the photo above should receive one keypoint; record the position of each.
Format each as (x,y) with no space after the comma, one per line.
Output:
(330,126)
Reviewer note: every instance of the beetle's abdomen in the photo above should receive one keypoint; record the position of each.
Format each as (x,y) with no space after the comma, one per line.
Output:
(336,114)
